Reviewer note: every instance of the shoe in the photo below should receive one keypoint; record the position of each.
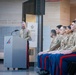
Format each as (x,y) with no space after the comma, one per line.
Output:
(43,72)
(38,69)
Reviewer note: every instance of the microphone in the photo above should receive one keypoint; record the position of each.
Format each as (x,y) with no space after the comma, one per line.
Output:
(14,31)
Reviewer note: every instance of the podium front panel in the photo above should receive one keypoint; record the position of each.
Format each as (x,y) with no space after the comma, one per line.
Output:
(19,52)
(15,52)
(8,41)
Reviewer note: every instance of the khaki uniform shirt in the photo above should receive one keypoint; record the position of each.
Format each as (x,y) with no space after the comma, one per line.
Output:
(24,33)
(55,44)
(70,43)
(74,47)
(64,42)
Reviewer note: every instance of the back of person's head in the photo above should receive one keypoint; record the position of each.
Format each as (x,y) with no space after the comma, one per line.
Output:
(62,30)
(73,25)
(64,27)
(69,27)
(59,26)
(74,21)
(53,32)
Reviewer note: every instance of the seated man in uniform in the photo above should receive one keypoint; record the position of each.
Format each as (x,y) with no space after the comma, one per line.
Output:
(63,47)
(65,56)
(45,62)
(70,42)
(71,31)
(64,40)
(55,44)
(68,47)
(53,35)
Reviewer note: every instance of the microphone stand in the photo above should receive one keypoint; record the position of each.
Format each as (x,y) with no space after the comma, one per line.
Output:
(14,31)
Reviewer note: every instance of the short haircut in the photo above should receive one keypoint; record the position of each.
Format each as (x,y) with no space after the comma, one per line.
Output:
(53,31)
(24,23)
(59,26)
(74,21)
(64,27)
(69,27)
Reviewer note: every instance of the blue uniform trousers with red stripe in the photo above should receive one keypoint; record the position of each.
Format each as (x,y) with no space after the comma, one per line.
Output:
(39,61)
(52,60)
(43,61)
(62,62)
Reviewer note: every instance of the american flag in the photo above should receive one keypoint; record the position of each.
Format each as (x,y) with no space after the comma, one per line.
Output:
(52,0)
(8,42)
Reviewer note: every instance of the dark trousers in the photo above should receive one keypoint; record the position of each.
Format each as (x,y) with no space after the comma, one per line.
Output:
(27,54)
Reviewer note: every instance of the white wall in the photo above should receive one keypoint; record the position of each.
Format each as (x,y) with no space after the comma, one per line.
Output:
(10,12)
(52,14)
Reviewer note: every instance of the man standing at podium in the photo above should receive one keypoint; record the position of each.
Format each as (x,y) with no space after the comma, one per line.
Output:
(25,33)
